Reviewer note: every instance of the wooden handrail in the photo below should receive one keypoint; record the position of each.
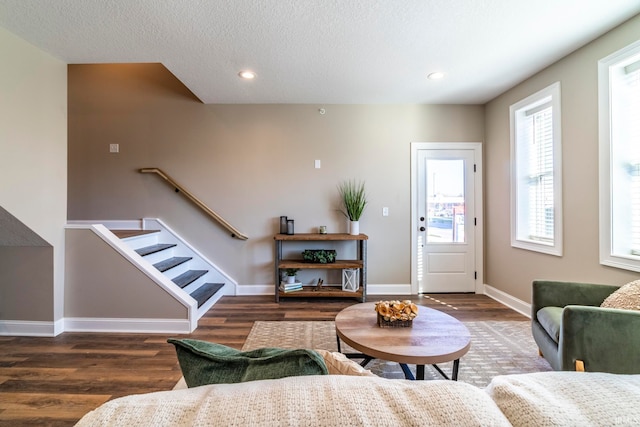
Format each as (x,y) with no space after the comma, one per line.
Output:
(234,232)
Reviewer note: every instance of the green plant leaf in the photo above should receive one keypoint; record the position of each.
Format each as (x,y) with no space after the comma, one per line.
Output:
(354,199)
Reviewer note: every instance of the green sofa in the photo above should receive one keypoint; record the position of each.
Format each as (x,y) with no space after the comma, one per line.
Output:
(569,325)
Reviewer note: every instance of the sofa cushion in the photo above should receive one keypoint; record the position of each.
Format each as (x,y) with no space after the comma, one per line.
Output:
(568,398)
(627,297)
(204,362)
(317,400)
(550,318)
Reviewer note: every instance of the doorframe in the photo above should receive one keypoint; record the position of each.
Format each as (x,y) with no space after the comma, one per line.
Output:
(478,205)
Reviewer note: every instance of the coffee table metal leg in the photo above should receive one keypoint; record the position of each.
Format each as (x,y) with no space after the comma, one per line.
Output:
(407,372)
(409,375)
(441,372)
(420,372)
(454,374)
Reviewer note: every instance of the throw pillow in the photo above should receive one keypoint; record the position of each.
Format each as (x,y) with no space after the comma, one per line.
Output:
(339,364)
(627,297)
(204,362)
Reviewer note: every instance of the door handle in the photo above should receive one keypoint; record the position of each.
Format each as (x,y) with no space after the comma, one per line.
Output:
(422,228)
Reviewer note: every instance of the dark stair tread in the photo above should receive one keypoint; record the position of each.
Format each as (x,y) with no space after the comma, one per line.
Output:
(206,291)
(148,250)
(188,277)
(123,234)
(168,264)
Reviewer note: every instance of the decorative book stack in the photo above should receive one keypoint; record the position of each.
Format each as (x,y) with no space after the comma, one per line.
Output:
(290,287)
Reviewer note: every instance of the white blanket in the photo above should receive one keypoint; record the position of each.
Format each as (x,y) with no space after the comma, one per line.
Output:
(329,400)
(568,399)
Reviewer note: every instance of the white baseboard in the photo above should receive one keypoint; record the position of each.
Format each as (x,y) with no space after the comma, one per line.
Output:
(508,300)
(84,324)
(381,289)
(58,327)
(29,328)
(246,290)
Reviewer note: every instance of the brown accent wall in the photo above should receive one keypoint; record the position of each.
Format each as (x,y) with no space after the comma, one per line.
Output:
(26,278)
(512,270)
(249,163)
(103,284)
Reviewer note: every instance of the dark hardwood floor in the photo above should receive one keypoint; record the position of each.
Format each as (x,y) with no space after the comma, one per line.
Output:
(55,381)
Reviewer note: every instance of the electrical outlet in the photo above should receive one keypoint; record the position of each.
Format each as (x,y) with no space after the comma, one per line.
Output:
(114,148)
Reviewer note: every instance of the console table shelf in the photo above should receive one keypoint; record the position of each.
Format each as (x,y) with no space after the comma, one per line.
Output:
(288,263)
(324,291)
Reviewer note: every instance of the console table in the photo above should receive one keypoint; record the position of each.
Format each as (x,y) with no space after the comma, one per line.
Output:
(360,262)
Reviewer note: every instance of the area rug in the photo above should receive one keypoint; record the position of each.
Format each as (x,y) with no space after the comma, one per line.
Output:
(497,348)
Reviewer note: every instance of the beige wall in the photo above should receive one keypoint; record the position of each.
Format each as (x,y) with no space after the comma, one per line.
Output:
(250,163)
(512,270)
(33,163)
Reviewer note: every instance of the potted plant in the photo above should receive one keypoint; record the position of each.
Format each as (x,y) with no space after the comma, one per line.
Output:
(354,200)
(322,256)
(291,274)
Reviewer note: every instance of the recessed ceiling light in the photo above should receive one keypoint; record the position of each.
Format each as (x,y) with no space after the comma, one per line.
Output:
(435,76)
(246,74)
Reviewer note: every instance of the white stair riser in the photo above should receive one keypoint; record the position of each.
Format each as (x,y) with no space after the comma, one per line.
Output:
(161,255)
(178,270)
(137,242)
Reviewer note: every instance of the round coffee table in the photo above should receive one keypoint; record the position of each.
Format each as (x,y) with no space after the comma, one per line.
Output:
(434,337)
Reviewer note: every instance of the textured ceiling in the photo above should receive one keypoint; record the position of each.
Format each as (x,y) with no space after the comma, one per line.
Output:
(322,51)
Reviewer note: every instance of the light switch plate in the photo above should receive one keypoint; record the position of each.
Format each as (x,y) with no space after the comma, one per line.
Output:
(317,164)
(114,148)
(385,211)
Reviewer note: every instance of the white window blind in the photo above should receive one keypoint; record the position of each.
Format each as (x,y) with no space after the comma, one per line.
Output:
(538,126)
(535,147)
(619,114)
(625,121)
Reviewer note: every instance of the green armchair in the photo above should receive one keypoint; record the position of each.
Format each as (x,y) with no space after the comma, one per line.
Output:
(569,326)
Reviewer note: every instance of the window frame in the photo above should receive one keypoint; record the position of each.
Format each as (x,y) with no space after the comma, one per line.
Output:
(608,254)
(551,95)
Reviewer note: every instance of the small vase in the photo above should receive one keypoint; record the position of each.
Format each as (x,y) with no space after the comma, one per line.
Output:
(291,279)
(283,225)
(354,228)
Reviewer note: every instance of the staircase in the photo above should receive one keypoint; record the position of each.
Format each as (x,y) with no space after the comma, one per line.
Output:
(178,263)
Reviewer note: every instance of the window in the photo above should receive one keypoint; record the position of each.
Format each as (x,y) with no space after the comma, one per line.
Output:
(619,110)
(536,199)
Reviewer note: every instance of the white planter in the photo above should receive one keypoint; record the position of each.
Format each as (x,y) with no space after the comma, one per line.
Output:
(354,228)
(291,279)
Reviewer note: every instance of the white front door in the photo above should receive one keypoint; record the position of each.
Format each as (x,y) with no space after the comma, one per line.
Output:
(444,217)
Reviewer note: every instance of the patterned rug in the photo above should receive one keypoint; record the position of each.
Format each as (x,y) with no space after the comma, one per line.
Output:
(497,348)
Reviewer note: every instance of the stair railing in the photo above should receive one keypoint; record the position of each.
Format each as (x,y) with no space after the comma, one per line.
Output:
(234,232)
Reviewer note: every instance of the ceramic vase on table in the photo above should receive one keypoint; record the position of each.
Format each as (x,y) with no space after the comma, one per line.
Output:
(354,228)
